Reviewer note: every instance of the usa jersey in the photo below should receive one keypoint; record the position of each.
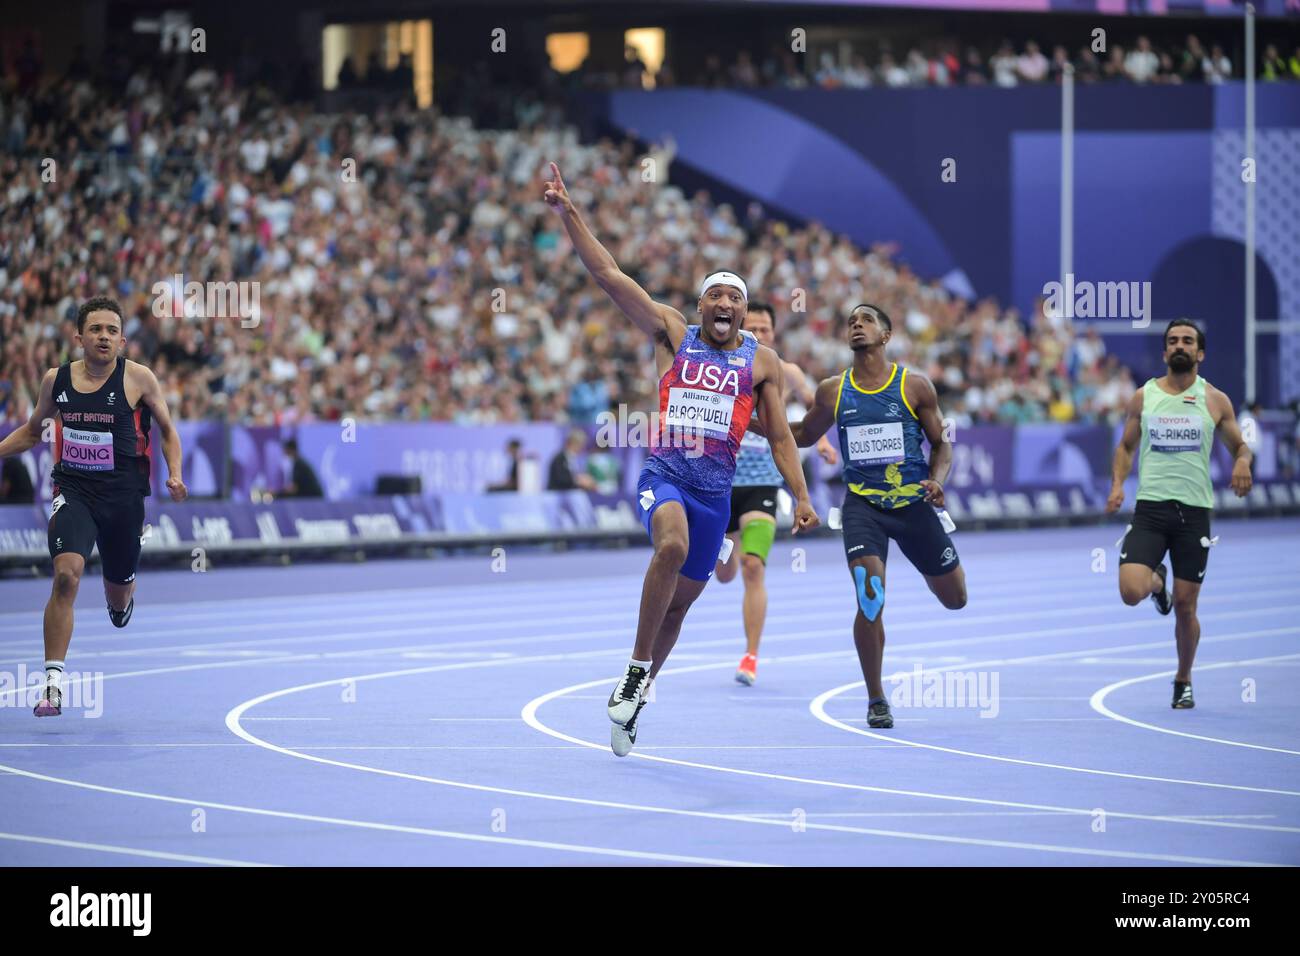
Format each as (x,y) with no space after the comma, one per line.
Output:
(705,403)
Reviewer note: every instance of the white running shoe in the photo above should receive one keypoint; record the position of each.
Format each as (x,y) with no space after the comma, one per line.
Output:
(628,695)
(623,739)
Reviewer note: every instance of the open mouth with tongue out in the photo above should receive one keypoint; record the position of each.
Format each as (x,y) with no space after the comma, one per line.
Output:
(724,320)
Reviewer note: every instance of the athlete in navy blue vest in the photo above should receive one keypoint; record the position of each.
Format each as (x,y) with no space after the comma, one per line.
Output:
(712,378)
(881,411)
(101,408)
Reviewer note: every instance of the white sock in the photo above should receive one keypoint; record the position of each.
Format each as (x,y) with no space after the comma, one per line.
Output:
(54,673)
(644,665)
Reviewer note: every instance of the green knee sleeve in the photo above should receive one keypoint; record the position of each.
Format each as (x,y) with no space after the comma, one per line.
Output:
(757,538)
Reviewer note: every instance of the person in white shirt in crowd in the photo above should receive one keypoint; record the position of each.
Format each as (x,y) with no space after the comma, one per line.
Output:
(1141,63)
(1003,65)
(1217,67)
(1032,65)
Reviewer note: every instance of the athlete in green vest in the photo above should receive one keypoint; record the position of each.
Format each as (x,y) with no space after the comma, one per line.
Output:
(1175,417)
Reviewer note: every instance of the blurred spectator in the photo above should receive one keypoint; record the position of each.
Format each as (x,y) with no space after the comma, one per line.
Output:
(1141,64)
(918,68)
(565,472)
(1272,67)
(972,70)
(15,483)
(1217,66)
(857,75)
(1192,67)
(1113,66)
(1004,66)
(1032,65)
(1087,69)
(1168,73)
(1060,60)
(303,482)
(514,449)
(891,74)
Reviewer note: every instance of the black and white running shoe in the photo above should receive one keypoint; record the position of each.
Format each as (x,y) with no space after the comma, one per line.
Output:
(623,739)
(628,695)
(120,618)
(1182,696)
(1162,599)
(878,715)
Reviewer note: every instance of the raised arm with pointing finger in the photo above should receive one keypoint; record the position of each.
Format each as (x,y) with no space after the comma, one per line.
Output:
(661,322)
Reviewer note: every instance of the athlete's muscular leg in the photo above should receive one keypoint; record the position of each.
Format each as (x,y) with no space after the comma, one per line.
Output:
(671,543)
(949,588)
(58,612)
(687,591)
(869,636)
(726,571)
(755,602)
(1137,582)
(119,595)
(1187,628)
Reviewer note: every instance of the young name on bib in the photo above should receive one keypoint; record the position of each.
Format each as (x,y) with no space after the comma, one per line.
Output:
(876,444)
(700,410)
(89,451)
(1169,433)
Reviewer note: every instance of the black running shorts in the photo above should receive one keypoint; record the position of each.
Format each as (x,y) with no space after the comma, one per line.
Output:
(753,498)
(1169,526)
(916,528)
(79,522)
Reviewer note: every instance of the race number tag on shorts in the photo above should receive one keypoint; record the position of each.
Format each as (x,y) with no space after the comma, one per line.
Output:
(876,444)
(89,451)
(700,410)
(1169,433)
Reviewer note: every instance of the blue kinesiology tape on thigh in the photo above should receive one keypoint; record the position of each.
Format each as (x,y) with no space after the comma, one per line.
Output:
(870,605)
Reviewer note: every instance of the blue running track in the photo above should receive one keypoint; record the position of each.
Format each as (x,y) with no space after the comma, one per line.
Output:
(443,713)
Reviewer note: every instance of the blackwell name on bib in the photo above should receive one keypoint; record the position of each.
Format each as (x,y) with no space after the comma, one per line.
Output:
(700,410)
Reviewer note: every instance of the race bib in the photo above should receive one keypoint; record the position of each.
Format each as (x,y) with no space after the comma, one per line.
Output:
(876,444)
(1169,433)
(700,411)
(87,451)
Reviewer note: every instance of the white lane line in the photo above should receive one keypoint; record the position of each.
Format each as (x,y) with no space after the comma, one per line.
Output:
(1098,703)
(474,596)
(291,718)
(530,716)
(127,850)
(457,720)
(818,709)
(699,621)
(711,612)
(530,711)
(387,827)
(233,722)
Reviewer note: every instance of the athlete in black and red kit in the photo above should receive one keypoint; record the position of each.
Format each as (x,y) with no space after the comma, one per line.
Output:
(101,406)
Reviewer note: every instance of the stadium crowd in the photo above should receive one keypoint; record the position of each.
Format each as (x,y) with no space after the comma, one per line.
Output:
(426,280)
(949,63)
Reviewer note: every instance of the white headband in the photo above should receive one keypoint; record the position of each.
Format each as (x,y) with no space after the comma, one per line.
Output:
(725,278)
